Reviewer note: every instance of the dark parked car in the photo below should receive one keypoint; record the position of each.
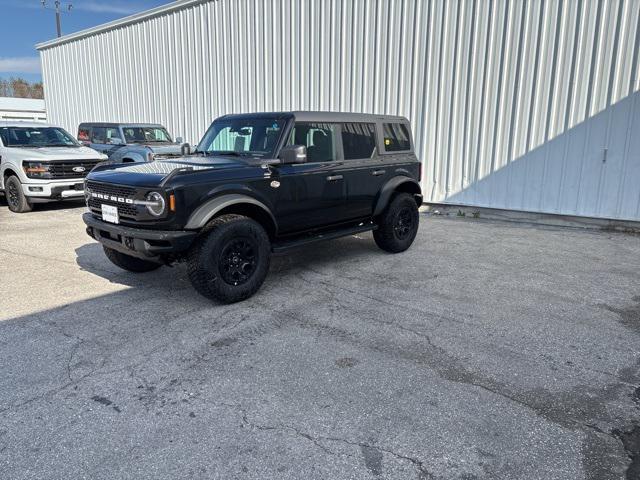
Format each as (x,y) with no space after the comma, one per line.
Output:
(257,184)
(129,142)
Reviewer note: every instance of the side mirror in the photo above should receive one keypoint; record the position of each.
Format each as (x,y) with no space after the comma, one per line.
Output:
(293,154)
(179,140)
(185,149)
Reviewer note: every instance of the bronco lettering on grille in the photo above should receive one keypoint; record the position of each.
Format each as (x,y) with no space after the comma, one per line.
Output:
(111,198)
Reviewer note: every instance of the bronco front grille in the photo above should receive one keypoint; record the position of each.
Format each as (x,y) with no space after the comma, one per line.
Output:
(116,195)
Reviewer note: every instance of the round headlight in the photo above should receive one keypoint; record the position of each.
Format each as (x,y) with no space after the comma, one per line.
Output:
(156,204)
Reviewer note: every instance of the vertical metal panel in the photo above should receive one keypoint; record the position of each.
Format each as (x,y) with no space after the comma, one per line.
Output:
(528,105)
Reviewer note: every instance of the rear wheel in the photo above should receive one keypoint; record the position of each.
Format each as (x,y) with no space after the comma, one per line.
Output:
(398,224)
(230,261)
(16,200)
(129,263)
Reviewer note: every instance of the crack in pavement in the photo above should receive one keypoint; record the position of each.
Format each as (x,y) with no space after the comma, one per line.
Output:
(423,472)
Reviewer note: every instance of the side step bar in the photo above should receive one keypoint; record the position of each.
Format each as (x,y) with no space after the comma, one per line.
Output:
(320,236)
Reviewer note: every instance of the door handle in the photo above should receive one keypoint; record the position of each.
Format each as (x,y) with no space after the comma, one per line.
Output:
(378,172)
(333,178)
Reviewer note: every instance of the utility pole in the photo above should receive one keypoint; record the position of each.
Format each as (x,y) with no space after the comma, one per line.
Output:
(57,5)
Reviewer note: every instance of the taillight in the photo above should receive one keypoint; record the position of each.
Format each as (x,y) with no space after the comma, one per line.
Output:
(420,172)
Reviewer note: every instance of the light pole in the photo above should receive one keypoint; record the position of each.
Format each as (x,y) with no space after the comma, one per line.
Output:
(57,4)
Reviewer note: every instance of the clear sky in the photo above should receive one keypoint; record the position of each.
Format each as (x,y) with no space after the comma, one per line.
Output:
(23,23)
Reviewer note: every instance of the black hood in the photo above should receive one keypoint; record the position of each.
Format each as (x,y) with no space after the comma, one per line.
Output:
(153,173)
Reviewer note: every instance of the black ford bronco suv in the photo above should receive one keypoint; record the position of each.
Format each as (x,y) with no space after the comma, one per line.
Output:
(256,184)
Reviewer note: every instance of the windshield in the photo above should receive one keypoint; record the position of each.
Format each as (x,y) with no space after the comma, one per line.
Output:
(245,136)
(146,135)
(33,137)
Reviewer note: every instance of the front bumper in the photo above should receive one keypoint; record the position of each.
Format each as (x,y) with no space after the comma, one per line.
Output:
(54,190)
(138,242)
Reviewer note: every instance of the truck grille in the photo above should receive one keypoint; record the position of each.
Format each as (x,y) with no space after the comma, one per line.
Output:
(118,191)
(65,169)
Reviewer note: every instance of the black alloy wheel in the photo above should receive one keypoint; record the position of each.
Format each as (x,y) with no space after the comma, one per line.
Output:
(238,261)
(403,225)
(16,199)
(12,196)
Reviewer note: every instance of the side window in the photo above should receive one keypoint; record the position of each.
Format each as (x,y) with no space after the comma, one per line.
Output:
(98,135)
(358,140)
(396,137)
(104,135)
(319,138)
(84,134)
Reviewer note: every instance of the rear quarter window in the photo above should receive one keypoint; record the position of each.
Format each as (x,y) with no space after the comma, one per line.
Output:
(396,137)
(358,140)
(84,134)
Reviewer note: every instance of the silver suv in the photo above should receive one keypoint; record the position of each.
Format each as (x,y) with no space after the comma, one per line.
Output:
(129,142)
(41,163)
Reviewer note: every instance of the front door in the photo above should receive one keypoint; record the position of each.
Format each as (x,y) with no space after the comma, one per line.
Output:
(105,139)
(312,194)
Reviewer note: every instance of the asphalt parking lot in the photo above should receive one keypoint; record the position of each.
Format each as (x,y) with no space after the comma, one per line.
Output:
(488,350)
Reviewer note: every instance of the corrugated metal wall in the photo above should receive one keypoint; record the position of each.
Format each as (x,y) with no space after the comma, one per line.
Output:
(525,104)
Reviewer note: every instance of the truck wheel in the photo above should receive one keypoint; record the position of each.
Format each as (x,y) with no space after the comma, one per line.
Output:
(16,199)
(230,261)
(398,224)
(127,262)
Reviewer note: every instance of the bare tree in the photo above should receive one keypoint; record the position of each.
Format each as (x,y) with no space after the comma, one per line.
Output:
(5,89)
(21,88)
(37,90)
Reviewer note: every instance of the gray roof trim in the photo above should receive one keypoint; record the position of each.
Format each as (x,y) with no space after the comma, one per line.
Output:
(120,124)
(331,117)
(121,22)
(325,117)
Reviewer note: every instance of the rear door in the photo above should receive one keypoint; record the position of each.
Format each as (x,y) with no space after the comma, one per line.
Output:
(312,194)
(364,171)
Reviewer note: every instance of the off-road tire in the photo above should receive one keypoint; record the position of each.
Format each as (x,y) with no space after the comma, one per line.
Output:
(16,199)
(398,224)
(214,269)
(129,263)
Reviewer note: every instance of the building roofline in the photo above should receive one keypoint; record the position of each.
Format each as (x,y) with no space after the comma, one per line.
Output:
(121,22)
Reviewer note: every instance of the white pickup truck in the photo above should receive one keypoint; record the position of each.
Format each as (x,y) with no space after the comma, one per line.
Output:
(41,163)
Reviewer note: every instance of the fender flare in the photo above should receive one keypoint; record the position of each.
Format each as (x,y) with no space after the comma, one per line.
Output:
(387,191)
(205,212)
(128,152)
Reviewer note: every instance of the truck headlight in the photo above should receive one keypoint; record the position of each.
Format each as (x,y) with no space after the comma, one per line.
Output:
(36,169)
(155,204)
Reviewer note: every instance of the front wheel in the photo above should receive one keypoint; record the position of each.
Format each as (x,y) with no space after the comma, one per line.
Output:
(129,263)
(398,224)
(16,200)
(230,261)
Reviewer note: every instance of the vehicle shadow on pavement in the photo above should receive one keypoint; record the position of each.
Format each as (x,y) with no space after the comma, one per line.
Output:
(90,257)
(49,206)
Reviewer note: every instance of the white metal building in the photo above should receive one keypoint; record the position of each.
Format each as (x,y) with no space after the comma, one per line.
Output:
(526,105)
(23,109)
